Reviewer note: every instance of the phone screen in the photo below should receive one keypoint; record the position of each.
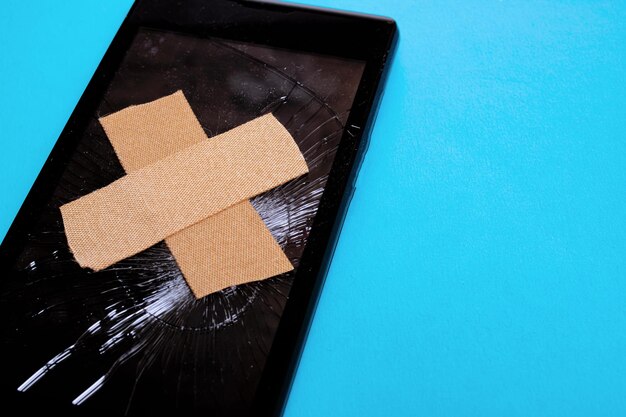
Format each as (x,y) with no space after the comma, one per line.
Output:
(133,338)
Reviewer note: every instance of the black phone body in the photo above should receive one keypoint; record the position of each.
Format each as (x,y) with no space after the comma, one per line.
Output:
(131,340)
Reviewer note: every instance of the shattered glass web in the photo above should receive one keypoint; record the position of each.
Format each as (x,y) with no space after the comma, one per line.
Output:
(133,338)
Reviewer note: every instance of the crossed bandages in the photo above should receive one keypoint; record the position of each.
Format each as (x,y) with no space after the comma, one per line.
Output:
(189,190)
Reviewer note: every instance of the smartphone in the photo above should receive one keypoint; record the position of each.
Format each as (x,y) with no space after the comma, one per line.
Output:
(132,339)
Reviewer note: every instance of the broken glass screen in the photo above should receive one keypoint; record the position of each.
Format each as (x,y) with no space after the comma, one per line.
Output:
(133,338)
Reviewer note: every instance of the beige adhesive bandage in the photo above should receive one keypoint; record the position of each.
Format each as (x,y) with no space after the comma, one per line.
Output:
(163,198)
(234,246)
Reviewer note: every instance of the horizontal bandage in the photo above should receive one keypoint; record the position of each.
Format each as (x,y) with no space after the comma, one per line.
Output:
(230,248)
(160,199)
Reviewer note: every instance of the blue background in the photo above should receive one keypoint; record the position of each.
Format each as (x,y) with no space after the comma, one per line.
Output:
(481,270)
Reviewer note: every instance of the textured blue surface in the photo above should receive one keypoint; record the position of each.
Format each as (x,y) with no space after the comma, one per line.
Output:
(481,270)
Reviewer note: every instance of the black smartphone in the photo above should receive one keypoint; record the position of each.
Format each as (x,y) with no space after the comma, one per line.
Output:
(132,339)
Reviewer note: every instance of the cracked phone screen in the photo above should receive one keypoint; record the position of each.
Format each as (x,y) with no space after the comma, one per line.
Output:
(132,339)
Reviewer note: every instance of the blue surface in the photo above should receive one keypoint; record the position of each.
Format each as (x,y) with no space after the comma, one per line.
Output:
(481,270)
